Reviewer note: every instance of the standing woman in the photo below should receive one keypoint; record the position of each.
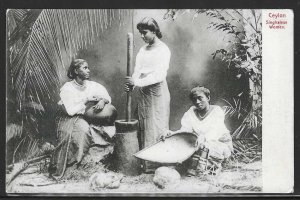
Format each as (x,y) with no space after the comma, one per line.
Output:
(152,64)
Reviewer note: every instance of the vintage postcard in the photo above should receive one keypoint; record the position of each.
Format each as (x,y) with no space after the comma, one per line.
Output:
(141,102)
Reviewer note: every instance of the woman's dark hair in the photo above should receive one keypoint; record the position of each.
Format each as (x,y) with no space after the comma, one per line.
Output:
(75,64)
(150,24)
(198,89)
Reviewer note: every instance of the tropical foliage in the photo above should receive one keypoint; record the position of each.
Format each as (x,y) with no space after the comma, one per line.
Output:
(243,55)
(40,45)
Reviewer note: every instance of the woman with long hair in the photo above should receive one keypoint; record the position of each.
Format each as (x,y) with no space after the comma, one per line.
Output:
(149,76)
(86,106)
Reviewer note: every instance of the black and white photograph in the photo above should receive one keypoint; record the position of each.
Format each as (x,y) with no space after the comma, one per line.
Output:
(144,101)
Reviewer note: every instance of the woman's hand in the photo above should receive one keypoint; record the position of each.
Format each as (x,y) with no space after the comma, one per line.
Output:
(166,134)
(200,142)
(99,106)
(93,98)
(129,84)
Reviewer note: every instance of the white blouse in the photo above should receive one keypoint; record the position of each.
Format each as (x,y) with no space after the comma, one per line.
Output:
(151,64)
(212,126)
(73,96)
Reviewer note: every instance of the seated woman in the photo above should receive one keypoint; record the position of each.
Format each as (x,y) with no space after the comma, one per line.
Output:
(206,121)
(86,108)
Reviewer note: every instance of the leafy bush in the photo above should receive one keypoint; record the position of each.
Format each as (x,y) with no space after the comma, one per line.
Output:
(242,31)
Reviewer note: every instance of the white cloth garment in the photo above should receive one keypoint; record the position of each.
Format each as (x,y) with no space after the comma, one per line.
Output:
(73,96)
(212,128)
(151,64)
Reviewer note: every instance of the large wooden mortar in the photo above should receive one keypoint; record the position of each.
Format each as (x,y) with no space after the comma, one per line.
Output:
(126,144)
(126,141)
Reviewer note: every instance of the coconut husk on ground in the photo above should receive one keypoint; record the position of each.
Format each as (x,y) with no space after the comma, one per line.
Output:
(234,178)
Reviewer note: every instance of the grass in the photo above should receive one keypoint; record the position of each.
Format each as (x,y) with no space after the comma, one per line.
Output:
(235,177)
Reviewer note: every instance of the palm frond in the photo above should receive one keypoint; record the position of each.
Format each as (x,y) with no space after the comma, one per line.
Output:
(41,44)
(54,38)
(234,109)
(13,131)
(19,22)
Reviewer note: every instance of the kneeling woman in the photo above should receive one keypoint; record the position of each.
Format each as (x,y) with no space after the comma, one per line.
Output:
(207,122)
(86,107)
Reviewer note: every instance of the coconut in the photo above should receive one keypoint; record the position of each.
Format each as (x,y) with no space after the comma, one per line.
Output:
(165,177)
(104,180)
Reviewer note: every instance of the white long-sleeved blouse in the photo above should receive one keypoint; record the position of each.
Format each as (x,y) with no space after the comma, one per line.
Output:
(212,126)
(151,64)
(73,96)
(211,130)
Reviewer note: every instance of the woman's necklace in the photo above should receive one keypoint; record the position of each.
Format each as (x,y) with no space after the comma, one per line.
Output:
(206,113)
(154,44)
(79,85)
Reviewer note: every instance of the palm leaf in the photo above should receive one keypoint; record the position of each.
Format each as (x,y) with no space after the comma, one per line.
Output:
(13,131)
(54,38)
(41,43)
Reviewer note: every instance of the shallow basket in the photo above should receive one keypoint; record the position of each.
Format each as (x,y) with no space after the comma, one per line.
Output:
(175,149)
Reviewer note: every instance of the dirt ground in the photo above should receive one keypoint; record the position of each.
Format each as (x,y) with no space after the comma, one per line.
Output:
(236,177)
